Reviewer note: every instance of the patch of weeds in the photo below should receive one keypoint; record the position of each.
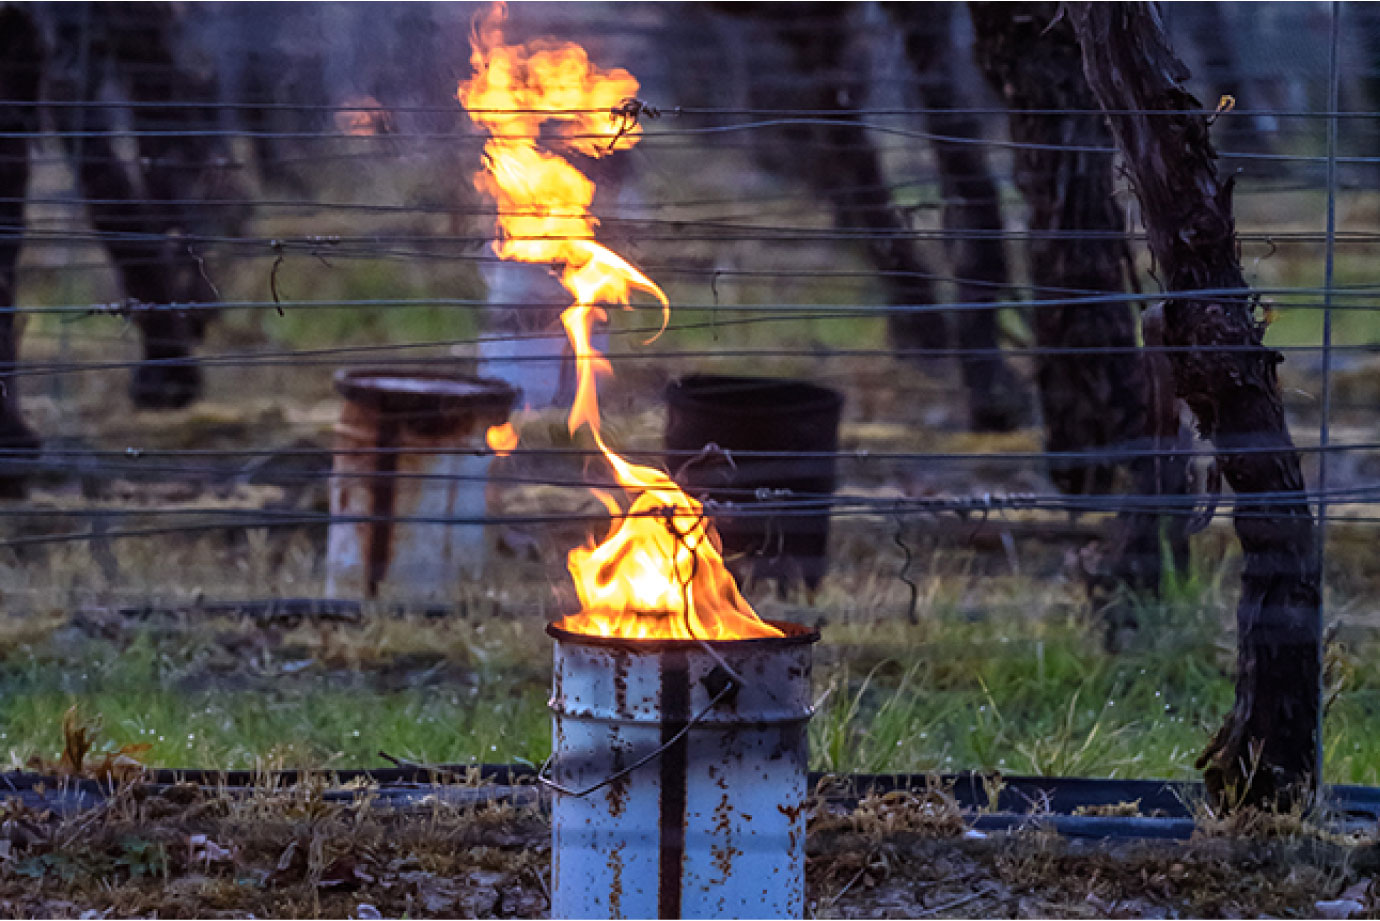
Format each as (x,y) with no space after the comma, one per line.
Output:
(1028,857)
(1075,746)
(1000,676)
(874,728)
(140,857)
(393,321)
(932,812)
(156,704)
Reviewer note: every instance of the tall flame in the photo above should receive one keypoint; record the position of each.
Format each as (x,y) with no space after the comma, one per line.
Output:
(659,574)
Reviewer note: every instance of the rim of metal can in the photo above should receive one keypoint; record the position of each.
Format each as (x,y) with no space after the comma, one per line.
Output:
(408,390)
(753,395)
(795,635)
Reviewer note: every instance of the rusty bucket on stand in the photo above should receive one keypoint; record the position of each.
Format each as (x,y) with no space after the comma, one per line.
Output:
(679,770)
(409,455)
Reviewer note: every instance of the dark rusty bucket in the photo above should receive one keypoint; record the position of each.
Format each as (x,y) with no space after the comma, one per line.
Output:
(789,430)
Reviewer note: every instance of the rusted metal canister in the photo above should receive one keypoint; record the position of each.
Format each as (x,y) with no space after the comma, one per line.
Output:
(409,453)
(788,433)
(680,774)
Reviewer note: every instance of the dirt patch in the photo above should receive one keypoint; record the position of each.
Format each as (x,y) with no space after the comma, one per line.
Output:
(194,852)
(198,853)
(1033,874)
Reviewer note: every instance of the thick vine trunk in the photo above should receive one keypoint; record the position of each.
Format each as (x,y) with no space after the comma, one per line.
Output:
(1266,751)
(139,208)
(20,66)
(1095,400)
(841,163)
(972,214)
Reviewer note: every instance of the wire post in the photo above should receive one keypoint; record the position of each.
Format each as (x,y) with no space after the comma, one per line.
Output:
(1324,424)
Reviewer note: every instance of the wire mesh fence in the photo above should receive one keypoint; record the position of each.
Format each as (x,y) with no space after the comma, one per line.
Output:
(210,213)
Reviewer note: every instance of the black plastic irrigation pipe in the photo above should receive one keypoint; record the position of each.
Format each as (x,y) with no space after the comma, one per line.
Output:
(990,802)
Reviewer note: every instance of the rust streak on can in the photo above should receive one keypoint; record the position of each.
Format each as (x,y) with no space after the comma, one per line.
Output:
(380,529)
(675,715)
(409,446)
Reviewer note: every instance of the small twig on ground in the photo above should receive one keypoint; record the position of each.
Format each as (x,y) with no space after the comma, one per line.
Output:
(867,863)
(954,903)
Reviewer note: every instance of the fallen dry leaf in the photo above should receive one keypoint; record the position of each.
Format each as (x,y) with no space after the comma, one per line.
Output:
(292,865)
(120,766)
(201,849)
(1338,909)
(1362,891)
(344,873)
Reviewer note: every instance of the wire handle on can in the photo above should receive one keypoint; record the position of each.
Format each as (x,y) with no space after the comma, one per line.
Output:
(728,687)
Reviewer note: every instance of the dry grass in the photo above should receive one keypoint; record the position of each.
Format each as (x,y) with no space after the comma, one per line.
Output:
(297,852)
(273,853)
(1036,873)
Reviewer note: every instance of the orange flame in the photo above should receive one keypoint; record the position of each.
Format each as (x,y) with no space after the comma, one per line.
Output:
(659,574)
(501,439)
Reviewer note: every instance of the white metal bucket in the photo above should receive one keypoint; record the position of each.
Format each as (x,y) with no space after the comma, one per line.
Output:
(680,771)
(410,455)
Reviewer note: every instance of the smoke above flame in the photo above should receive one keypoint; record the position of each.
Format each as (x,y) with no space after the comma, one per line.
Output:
(368,119)
(659,574)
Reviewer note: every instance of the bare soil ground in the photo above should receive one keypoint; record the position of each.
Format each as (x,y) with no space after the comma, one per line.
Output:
(191,852)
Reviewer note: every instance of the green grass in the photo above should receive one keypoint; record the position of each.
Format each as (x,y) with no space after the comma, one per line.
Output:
(193,708)
(373,280)
(1354,322)
(1010,692)
(1027,696)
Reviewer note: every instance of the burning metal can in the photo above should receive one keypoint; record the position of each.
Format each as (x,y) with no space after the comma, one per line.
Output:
(680,772)
(410,454)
